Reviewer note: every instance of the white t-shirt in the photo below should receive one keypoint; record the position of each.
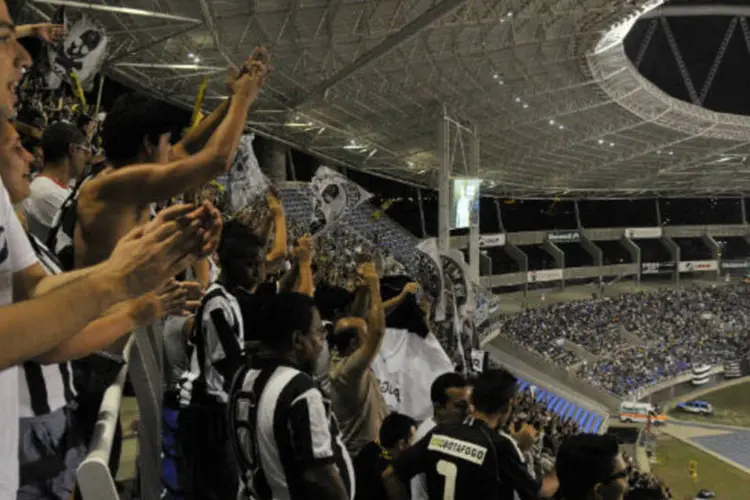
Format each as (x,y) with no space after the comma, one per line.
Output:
(16,254)
(42,205)
(406,367)
(418,482)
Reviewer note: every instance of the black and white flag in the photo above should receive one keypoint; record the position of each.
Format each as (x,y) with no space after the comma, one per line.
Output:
(334,197)
(245,182)
(479,360)
(428,272)
(83,52)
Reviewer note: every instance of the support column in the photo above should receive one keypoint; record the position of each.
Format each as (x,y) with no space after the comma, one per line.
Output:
(557,255)
(474,159)
(274,162)
(499,215)
(744,211)
(520,257)
(423,224)
(674,253)
(635,254)
(576,210)
(444,174)
(658,212)
(715,249)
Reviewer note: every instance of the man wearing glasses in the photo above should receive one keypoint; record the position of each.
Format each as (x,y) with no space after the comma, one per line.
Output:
(66,154)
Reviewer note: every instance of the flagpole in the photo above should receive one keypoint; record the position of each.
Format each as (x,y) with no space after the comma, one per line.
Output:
(99,94)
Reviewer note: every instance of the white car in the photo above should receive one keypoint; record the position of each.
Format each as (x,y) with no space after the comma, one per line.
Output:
(696,407)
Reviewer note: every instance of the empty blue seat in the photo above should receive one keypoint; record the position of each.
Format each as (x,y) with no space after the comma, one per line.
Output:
(564,408)
(597,424)
(552,400)
(523,385)
(582,418)
(541,394)
(573,407)
(558,405)
(589,421)
(577,414)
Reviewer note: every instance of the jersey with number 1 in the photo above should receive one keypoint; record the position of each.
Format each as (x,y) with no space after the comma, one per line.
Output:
(468,461)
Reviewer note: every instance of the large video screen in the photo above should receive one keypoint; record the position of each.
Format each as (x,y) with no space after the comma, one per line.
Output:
(464,202)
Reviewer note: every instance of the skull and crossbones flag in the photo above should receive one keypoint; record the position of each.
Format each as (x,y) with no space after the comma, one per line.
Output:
(334,196)
(245,182)
(82,52)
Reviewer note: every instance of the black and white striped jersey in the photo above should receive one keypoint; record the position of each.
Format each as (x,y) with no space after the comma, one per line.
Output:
(281,423)
(218,335)
(45,388)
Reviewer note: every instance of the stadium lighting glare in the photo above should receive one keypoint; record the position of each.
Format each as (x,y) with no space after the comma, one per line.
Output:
(197,60)
(410,164)
(561,127)
(525,106)
(518,99)
(600,141)
(495,76)
(611,144)
(671,153)
(191,55)
(552,122)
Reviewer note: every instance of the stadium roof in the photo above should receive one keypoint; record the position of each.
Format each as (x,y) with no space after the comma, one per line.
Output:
(560,108)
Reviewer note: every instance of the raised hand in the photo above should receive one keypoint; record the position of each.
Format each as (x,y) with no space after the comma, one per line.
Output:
(305,249)
(252,76)
(50,33)
(412,288)
(274,205)
(150,254)
(368,273)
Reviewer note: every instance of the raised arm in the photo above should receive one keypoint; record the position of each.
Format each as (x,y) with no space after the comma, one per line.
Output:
(147,183)
(391,304)
(362,358)
(121,321)
(278,250)
(141,261)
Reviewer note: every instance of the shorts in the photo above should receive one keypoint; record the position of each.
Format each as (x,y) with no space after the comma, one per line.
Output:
(51,448)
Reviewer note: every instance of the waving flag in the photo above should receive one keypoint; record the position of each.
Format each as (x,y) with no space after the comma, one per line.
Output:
(334,196)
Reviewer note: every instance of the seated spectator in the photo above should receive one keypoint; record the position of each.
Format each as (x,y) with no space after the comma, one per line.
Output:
(396,436)
(606,473)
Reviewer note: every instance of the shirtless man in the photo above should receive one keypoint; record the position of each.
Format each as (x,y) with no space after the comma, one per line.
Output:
(142,168)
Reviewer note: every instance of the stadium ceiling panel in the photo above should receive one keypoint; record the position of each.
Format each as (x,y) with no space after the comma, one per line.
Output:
(561,110)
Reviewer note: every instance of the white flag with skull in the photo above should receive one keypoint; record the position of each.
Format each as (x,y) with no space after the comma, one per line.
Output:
(83,52)
(428,272)
(245,182)
(334,196)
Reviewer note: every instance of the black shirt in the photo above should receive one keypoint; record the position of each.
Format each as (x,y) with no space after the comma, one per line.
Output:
(468,461)
(369,466)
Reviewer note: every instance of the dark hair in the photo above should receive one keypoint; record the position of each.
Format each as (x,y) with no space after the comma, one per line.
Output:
(282,315)
(395,426)
(132,117)
(238,242)
(584,452)
(341,339)
(440,386)
(57,139)
(493,391)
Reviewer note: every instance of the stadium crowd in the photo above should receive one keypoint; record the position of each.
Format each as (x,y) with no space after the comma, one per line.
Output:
(87,258)
(640,338)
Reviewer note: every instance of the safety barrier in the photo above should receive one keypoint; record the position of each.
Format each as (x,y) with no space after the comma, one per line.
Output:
(94,478)
(143,355)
